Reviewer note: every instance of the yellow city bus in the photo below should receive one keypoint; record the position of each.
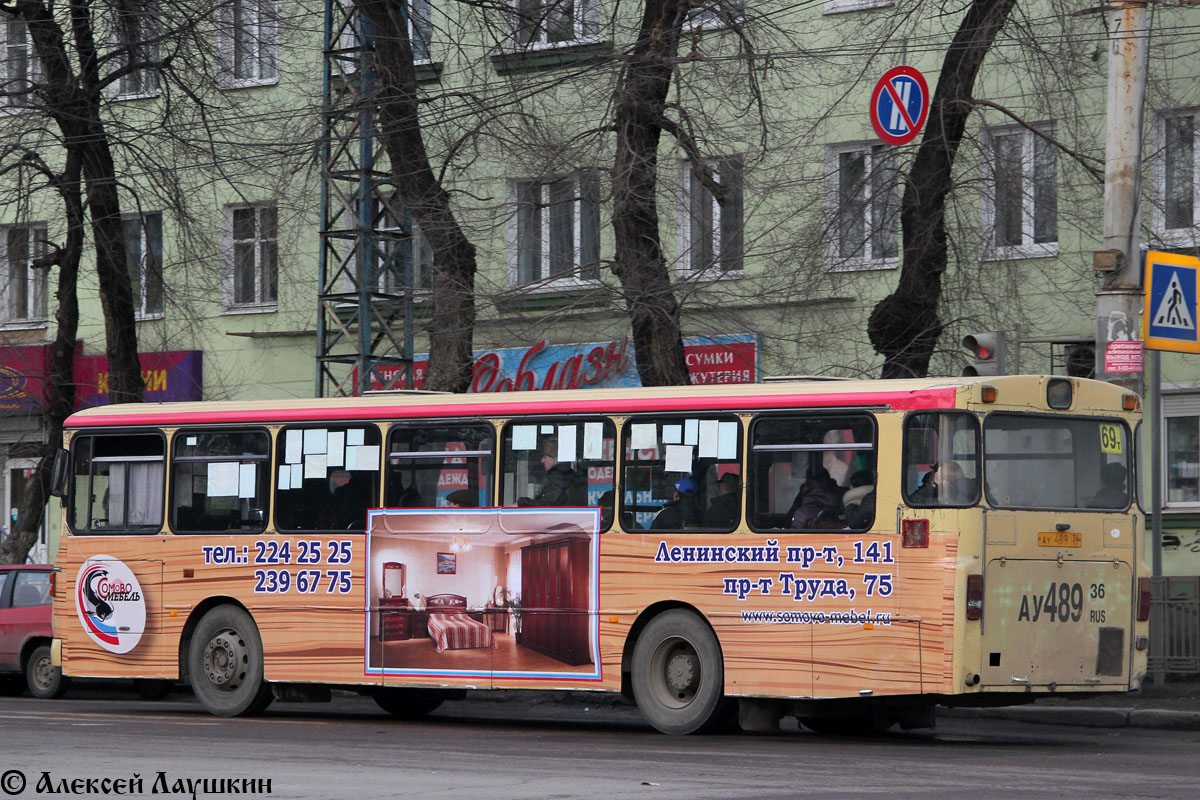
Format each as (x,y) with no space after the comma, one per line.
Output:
(846,552)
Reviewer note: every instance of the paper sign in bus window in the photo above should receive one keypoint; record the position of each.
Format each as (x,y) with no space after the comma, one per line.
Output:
(297,476)
(222,479)
(727,440)
(593,440)
(335,453)
(708,438)
(315,465)
(295,447)
(691,431)
(355,436)
(285,477)
(524,437)
(247,479)
(643,436)
(672,434)
(566,443)
(679,458)
(315,441)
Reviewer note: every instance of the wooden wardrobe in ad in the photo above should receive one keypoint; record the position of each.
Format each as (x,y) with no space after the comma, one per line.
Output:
(554,599)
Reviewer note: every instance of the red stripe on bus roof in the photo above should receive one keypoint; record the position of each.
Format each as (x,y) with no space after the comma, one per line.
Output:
(904,401)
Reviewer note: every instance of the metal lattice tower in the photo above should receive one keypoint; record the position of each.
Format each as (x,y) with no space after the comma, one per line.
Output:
(365,319)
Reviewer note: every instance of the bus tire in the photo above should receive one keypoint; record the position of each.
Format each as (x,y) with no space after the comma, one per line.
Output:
(679,675)
(408,703)
(44,680)
(225,664)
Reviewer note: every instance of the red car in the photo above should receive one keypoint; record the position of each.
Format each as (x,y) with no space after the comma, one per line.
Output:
(25,606)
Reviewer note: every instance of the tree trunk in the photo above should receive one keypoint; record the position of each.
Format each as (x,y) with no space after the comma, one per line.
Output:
(73,101)
(904,327)
(60,387)
(639,264)
(452,325)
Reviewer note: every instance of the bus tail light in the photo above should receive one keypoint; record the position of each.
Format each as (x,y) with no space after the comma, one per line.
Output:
(975,596)
(1143,608)
(914,533)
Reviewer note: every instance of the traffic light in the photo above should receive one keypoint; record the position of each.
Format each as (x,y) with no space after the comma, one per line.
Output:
(988,350)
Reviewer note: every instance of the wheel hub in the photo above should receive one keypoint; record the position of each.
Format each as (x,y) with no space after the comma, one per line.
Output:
(43,673)
(681,673)
(223,659)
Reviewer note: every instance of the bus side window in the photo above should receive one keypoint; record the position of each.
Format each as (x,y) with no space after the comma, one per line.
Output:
(561,462)
(682,473)
(440,465)
(813,472)
(941,459)
(220,480)
(117,483)
(327,477)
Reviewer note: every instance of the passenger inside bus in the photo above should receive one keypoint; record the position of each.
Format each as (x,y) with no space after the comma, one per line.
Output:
(1112,488)
(818,503)
(946,484)
(723,512)
(678,512)
(561,483)
(859,500)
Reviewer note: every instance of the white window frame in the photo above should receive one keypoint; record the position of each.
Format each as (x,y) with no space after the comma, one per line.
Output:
(229,267)
(877,154)
(1028,247)
(584,24)
(17,104)
(143,265)
(33,314)
(262,29)
(148,80)
(844,6)
(545,280)
(713,15)
(1177,405)
(391,234)
(350,38)
(686,245)
(1175,237)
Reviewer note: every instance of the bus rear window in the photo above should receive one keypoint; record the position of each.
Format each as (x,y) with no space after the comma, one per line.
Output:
(117,483)
(941,459)
(1033,461)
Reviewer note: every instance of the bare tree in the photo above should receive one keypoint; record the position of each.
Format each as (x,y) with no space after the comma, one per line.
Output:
(904,327)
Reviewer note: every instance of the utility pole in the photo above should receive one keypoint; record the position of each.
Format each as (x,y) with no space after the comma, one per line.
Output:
(1119,300)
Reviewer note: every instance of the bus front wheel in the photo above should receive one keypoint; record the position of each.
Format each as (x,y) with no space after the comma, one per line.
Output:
(225,664)
(679,675)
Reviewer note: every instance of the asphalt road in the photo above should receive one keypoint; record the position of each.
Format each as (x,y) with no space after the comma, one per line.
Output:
(528,747)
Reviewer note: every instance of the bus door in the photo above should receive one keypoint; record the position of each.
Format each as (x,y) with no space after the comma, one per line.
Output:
(112,564)
(1059,551)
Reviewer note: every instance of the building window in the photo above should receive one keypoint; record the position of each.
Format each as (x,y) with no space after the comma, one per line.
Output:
(863,191)
(553,22)
(135,31)
(1021,203)
(248,41)
(557,230)
(420,31)
(1176,181)
(143,257)
(252,273)
(399,244)
(712,14)
(711,236)
(842,6)
(24,287)
(1181,450)
(19,69)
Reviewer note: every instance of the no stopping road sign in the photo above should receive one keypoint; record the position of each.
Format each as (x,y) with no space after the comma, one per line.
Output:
(900,105)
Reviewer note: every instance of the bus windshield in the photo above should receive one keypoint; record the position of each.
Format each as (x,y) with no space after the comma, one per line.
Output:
(1033,461)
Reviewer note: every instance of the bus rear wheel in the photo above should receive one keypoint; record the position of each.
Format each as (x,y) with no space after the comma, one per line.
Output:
(679,676)
(408,703)
(225,664)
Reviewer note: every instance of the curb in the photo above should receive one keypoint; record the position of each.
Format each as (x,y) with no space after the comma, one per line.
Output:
(1085,717)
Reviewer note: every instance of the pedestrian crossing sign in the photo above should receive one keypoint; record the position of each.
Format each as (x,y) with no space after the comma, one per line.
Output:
(1171,313)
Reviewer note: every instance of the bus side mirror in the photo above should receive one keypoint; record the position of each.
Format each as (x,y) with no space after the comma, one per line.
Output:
(58,476)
